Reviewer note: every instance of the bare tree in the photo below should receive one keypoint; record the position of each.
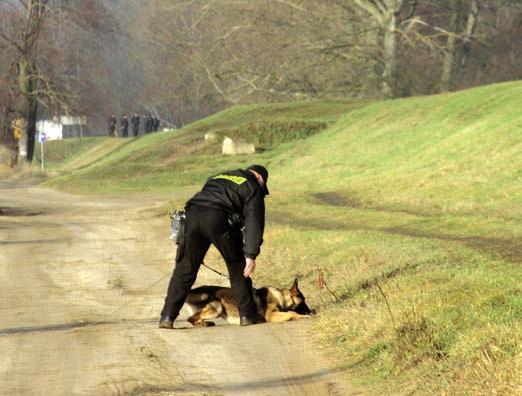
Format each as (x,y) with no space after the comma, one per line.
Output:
(23,35)
(214,54)
(39,37)
(387,15)
(198,56)
(460,37)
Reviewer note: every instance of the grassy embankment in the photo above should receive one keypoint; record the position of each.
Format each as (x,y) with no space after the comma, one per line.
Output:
(411,208)
(168,160)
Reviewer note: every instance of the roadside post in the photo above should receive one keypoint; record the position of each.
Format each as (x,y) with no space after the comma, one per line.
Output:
(41,139)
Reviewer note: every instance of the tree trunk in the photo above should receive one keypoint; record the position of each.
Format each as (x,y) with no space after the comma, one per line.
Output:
(469,32)
(389,75)
(27,82)
(450,54)
(32,110)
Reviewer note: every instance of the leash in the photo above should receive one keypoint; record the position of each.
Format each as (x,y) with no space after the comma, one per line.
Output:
(128,302)
(216,271)
(175,231)
(142,292)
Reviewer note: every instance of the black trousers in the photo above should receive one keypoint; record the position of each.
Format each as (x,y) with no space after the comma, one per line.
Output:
(204,226)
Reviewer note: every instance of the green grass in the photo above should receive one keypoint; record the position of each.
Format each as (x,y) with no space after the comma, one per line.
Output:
(411,209)
(59,153)
(455,297)
(459,152)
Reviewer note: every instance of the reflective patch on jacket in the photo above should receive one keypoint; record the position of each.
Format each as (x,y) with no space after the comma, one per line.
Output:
(234,179)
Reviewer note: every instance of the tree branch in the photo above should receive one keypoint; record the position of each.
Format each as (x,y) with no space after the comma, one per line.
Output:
(217,87)
(371,8)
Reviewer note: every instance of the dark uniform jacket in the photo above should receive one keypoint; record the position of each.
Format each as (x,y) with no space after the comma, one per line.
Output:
(135,120)
(237,191)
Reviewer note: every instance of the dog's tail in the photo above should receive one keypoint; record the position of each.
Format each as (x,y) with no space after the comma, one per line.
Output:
(202,294)
(197,298)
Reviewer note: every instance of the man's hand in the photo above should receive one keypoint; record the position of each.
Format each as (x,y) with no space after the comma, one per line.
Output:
(249,267)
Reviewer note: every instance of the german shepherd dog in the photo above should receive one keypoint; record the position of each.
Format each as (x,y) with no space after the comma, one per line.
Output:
(275,305)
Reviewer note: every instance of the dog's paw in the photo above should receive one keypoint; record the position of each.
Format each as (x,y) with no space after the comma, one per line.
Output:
(208,323)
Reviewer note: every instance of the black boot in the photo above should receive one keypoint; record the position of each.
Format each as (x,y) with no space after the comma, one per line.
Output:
(166,322)
(250,320)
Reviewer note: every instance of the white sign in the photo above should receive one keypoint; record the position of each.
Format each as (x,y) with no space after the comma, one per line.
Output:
(42,138)
(52,130)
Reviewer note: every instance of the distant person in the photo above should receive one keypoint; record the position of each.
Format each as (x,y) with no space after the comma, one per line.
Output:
(124,123)
(156,124)
(113,122)
(146,123)
(150,123)
(135,121)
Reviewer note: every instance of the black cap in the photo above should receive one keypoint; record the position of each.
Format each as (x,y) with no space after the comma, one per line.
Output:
(263,172)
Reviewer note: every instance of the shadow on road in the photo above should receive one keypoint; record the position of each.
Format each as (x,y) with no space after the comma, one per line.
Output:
(68,326)
(33,241)
(319,375)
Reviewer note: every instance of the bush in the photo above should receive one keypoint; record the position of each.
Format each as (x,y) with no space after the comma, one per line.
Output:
(268,135)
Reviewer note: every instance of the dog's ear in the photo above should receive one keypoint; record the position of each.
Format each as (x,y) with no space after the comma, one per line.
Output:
(294,289)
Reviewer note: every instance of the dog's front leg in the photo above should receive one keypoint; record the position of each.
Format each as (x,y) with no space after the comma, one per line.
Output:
(278,316)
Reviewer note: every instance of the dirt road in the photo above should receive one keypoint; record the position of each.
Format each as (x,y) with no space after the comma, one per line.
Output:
(67,263)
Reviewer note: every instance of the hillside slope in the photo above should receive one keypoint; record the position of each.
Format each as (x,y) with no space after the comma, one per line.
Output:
(72,154)
(167,160)
(452,152)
